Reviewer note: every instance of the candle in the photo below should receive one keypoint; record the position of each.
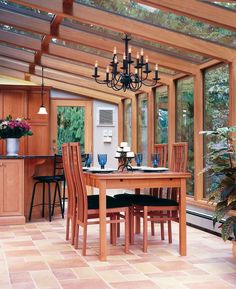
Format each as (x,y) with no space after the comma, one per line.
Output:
(117,155)
(126,149)
(96,69)
(114,51)
(107,74)
(142,56)
(123,144)
(119,149)
(130,154)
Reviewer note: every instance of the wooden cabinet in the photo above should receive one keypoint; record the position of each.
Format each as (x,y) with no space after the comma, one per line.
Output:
(24,101)
(38,144)
(12,191)
(34,102)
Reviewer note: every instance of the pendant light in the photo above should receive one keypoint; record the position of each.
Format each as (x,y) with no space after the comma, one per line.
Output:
(42,109)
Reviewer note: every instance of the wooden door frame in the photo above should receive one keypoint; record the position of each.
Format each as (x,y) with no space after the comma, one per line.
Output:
(87,104)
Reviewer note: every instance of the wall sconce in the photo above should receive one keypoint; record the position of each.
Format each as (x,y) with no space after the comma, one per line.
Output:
(42,109)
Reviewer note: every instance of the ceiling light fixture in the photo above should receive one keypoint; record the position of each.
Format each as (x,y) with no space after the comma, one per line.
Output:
(129,78)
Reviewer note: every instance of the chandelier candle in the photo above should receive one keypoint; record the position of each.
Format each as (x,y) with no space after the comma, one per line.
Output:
(128,78)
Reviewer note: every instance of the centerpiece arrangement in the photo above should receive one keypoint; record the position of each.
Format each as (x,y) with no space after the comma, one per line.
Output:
(12,130)
(124,156)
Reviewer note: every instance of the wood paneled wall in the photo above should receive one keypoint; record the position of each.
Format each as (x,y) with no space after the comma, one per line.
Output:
(24,102)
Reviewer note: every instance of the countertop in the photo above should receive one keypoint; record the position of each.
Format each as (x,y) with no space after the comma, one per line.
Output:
(5,157)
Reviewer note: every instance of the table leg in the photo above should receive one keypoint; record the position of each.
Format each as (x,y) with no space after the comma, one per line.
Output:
(182,219)
(137,218)
(102,221)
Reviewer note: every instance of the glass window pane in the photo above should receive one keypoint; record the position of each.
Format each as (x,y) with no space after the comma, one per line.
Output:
(142,122)
(216,106)
(184,122)
(161,115)
(70,125)
(167,20)
(127,121)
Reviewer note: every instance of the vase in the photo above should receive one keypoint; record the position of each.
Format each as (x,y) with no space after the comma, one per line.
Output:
(12,145)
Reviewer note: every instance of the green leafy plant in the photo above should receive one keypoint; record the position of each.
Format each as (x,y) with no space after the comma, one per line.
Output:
(221,167)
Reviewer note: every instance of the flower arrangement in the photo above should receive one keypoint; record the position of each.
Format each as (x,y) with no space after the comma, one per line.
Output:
(14,128)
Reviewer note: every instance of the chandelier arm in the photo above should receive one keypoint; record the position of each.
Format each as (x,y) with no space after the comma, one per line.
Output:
(100,82)
(115,82)
(154,82)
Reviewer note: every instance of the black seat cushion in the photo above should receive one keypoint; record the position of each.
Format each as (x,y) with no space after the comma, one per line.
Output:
(93,202)
(146,200)
(48,178)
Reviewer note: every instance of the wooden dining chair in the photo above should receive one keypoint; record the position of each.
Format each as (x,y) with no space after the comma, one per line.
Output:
(87,207)
(162,150)
(71,205)
(178,163)
(154,208)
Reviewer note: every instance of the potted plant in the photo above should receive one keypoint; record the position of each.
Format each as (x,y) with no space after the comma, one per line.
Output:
(12,130)
(221,167)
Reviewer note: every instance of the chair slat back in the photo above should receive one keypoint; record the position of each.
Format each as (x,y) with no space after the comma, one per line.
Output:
(80,187)
(179,157)
(58,169)
(162,150)
(66,158)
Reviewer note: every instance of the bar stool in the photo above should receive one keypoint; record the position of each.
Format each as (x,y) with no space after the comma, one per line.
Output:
(57,178)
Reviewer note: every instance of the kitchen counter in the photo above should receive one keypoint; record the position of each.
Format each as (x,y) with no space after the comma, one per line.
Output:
(5,157)
(16,185)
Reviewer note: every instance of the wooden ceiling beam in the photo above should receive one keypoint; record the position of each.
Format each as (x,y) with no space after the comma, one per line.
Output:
(140,29)
(88,92)
(58,50)
(62,76)
(200,11)
(91,39)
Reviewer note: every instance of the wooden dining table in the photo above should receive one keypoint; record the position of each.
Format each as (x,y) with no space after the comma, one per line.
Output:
(138,180)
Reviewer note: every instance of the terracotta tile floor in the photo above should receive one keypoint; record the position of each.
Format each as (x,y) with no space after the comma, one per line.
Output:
(36,256)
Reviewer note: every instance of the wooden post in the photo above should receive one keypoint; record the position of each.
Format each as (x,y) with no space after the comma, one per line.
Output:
(150,124)
(120,121)
(134,123)
(232,93)
(171,117)
(198,138)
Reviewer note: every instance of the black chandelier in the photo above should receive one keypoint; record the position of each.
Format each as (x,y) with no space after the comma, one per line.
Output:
(129,78)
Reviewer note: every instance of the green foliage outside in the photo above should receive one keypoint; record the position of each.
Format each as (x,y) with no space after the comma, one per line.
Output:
(185,122)
(70,122)
(166,19)
(221,168)
(216,109)
(161,115)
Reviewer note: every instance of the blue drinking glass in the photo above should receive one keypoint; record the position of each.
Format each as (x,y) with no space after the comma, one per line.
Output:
(138,159)
(155,160)
(88,160)
(102,160)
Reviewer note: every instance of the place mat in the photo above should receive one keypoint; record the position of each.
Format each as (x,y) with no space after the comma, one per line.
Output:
(99,170)
(156,170)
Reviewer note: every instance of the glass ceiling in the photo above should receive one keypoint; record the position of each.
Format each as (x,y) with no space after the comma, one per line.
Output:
(157,47)
(167,20)
(22,32)
(26,10)
(95,51)
(17,47)
(230,6)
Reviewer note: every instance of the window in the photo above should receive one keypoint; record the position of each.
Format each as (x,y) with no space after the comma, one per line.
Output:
(127,121)
(142,120)
(184,122)
(216,105)
(161,115)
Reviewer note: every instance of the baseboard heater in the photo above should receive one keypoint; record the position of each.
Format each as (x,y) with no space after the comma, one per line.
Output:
(202,222)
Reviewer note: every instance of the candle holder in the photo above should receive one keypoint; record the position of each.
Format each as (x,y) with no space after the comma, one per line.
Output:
(124,156)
